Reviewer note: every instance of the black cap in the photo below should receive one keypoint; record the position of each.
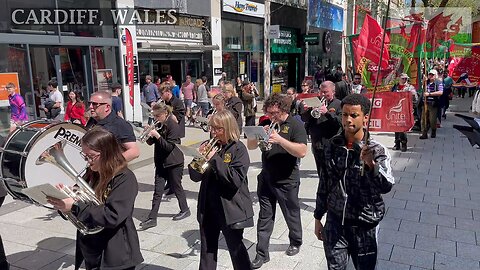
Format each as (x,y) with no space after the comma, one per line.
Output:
(116,85)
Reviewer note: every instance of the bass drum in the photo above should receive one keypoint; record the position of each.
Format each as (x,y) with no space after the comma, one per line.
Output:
(18,157)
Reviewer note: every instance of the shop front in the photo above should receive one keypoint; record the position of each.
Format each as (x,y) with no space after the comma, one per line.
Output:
(242,42)
(79,57)
(285,65)
(177,50)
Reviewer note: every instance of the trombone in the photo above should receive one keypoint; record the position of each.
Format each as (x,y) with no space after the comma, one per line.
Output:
(315,113)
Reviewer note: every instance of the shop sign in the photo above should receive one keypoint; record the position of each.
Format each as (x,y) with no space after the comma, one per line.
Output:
(217,71)
(246,8)
(287,43)
(178,33)
(311,38)
(274,31)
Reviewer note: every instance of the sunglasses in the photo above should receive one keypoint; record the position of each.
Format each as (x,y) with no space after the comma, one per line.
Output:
(96,104)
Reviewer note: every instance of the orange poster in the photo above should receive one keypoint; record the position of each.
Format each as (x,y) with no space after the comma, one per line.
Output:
(4,79)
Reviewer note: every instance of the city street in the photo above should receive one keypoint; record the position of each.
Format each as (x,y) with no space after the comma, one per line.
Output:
(432,219)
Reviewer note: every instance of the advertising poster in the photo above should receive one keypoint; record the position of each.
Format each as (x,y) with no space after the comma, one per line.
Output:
(104,79)
(280,74)
(4,79)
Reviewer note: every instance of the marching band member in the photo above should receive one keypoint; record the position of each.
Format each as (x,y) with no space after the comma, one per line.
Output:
(327,125)
(224,202)
(234,104)
(279,179)
(169,162)
(117,245)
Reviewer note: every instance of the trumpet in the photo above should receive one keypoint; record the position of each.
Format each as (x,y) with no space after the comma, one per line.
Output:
(264,144)
(315,113)
(200,164)
(145,134)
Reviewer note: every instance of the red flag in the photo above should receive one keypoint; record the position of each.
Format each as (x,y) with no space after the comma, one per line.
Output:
(129,59)
(370,42)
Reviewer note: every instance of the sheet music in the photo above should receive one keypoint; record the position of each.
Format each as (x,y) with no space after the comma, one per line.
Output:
(313,102)
(189,151)
(39,193)
(255,133)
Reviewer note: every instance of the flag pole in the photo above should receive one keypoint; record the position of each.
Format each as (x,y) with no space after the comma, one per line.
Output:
(367,135)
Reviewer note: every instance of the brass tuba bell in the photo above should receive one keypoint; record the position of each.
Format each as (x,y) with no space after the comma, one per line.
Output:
(200,164)
(55,155)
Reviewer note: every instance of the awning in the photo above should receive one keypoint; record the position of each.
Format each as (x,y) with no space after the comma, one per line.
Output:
(167,47)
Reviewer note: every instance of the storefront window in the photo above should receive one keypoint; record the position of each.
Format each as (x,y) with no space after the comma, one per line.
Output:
(13,58)
(232,35)
(253,37)
(230,64)
(104,67)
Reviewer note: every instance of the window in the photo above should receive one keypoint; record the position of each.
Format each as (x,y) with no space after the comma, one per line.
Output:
(232,37)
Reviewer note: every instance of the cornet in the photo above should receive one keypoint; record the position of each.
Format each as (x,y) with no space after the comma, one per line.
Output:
(55,156)
(316,111)
(200,164)
(145,134)
(264,144)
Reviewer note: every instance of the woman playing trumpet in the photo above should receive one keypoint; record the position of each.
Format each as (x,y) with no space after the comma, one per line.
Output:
(224,202)
(168,163)
(117,245)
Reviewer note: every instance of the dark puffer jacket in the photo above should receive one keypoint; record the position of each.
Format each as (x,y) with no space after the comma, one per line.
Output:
(344,192)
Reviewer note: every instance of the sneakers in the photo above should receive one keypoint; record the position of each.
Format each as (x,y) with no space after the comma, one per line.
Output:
(147,224)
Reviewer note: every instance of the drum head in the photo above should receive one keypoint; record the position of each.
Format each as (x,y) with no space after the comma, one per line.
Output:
(38,173)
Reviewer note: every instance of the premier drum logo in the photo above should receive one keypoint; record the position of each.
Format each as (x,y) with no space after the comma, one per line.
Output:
(94,16)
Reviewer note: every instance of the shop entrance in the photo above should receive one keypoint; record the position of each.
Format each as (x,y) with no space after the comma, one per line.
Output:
(66,65)
(160,68)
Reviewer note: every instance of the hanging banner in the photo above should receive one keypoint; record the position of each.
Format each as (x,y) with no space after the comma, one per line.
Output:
(130,66)
(392,112)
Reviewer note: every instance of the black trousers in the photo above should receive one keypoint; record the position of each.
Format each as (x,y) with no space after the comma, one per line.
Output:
(210,228)
(174,175)
(400,137)
(357,241)
(250,120)
(287,197)
(317,151)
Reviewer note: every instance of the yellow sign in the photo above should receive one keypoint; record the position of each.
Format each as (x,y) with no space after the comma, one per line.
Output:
(4,79)
(277,88)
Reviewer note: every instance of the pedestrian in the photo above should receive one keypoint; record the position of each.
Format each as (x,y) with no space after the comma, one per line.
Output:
(342,87)
(18,109)
(188,94)
(351,199)
(401,139)
(53,105)
(150,91)
(433,93)
(298,106)
(169,162)
(75,112)
(279,180)
(224,203)
(234,104)
(247,96)
(446,96)
(117,104)
(356,85)
(327,125)
(307,86)
(202,96)
(117,245)
(223,78)
(101,114)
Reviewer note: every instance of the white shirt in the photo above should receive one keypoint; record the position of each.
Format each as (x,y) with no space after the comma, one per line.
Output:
(56,96)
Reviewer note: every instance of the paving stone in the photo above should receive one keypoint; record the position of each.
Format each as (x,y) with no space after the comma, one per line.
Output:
(414,181)
(468,251)
(407,195)
(467,224)
(383,264)
(402,187)
(444,185)
(422,207)
(412,256)
(438,200)
(467,204)
(426,190)
(384,251)
(390,223)
(456,235)
(38,259)
(431,218)
(423,229)
(455,211)
(461,194)
(445,262)
(436,245)
(396,238)
(397,203)
(402,214)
